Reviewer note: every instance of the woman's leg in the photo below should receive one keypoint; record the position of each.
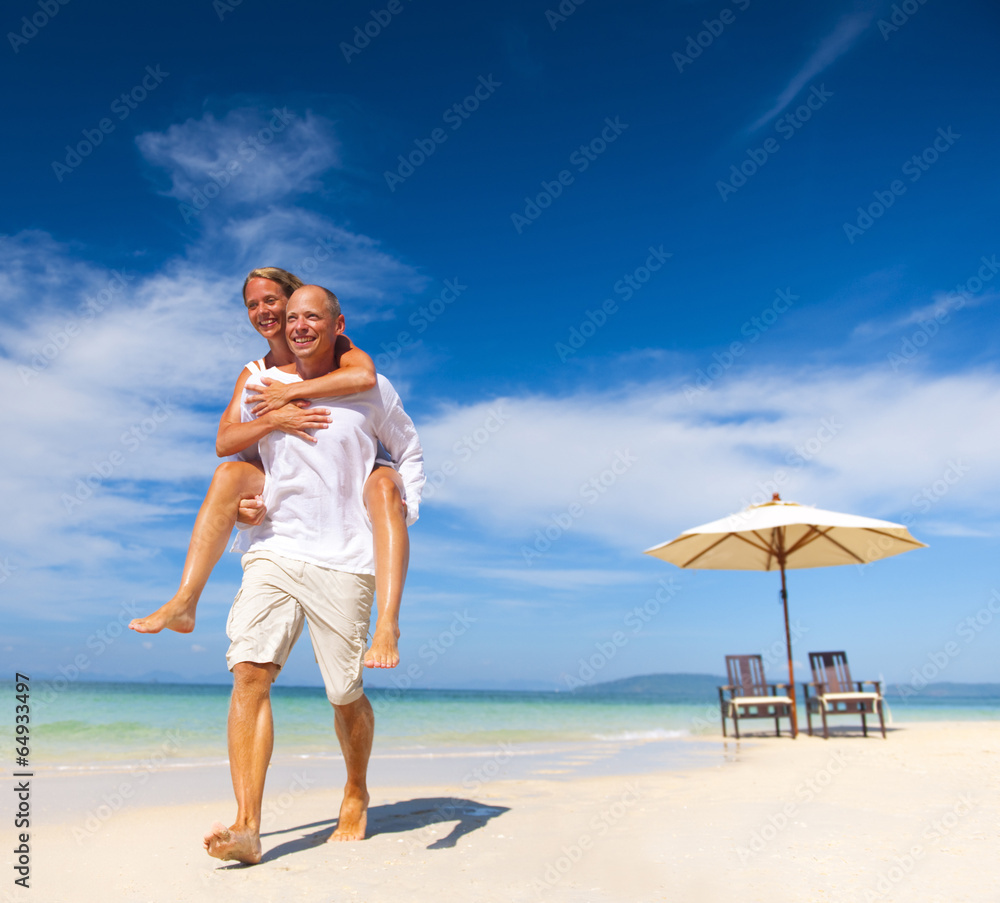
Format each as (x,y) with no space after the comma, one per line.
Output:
(387,510)
(232,482)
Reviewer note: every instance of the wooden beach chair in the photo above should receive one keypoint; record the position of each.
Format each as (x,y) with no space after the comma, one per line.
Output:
(835,693)
(749,695)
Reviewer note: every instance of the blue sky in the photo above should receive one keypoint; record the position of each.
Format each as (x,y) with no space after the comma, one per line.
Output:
(631,267)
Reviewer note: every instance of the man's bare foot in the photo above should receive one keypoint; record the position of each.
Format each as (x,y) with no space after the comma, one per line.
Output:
(353,819)
(174,615)
(240,844)
(384,651)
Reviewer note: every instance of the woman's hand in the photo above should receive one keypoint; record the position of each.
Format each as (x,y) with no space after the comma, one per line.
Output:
(298,417)
(274,395)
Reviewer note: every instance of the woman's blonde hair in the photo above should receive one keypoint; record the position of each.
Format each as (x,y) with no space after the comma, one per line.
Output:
(289,282)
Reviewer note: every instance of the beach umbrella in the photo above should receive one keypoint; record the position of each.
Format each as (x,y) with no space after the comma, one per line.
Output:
(781,536)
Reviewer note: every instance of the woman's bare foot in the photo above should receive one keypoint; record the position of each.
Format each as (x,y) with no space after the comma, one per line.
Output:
(240,844)
(177,614)
(384,651)
(353,819)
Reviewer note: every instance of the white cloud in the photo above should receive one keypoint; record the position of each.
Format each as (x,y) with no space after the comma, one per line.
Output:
(927,316)
(870,442)
(830,49)
(249,155)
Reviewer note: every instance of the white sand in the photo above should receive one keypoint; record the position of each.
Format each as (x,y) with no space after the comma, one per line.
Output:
(912,819)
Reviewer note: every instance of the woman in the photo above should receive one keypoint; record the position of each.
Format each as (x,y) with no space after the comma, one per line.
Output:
(236,487)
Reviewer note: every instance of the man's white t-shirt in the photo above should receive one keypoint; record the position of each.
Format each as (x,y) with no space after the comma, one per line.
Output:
(313,491)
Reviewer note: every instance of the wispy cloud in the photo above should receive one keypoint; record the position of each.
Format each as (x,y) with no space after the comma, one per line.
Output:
(843,37)
(251,155)
(863,440)
(939,310)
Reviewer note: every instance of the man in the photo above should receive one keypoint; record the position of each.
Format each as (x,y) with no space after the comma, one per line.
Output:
(310,558)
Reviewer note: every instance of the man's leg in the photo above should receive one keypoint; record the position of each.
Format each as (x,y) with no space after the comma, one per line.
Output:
(232,482)
(251,739)
(383,497)
(355,724)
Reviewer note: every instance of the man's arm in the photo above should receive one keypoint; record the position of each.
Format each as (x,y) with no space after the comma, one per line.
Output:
(354,372)
(235,436)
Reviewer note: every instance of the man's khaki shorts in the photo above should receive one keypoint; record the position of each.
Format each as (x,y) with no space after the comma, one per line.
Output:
(278,594)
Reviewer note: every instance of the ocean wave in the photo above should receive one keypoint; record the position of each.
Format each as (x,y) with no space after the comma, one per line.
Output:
(658,734)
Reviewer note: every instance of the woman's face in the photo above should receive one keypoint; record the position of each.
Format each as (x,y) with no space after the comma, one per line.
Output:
(265,301)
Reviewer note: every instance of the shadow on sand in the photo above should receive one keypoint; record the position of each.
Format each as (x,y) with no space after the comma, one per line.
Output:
(396,818)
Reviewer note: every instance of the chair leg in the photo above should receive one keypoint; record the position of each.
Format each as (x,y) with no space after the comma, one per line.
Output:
(881,717)
(723,713)
(809,718)
(777,723)
(826,730)
(864,723)
(736,721)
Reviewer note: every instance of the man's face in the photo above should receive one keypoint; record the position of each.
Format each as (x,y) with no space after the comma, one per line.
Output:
(265,301)
(309,328)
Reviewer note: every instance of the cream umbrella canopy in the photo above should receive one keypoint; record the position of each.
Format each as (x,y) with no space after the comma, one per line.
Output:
(784,535)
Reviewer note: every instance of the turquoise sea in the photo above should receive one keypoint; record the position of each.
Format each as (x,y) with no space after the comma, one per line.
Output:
(92,723)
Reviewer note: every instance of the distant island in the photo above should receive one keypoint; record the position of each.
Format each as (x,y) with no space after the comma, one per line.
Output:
(702,688)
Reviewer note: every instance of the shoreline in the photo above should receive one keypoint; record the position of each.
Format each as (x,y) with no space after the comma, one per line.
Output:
(910,818)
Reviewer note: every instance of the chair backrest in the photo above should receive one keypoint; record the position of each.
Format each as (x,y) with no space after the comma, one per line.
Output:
(746,673)
(831,668)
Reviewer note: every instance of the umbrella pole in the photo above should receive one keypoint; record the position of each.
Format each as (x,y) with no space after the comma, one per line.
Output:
(788,642)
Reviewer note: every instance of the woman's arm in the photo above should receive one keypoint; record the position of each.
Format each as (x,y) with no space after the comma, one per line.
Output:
(355,373)
(235,436)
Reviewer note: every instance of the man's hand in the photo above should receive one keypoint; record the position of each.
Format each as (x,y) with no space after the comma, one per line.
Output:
(252,511)
(274,395)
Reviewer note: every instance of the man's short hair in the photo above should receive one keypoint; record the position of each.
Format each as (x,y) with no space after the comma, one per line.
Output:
(332,303)
(289,282)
